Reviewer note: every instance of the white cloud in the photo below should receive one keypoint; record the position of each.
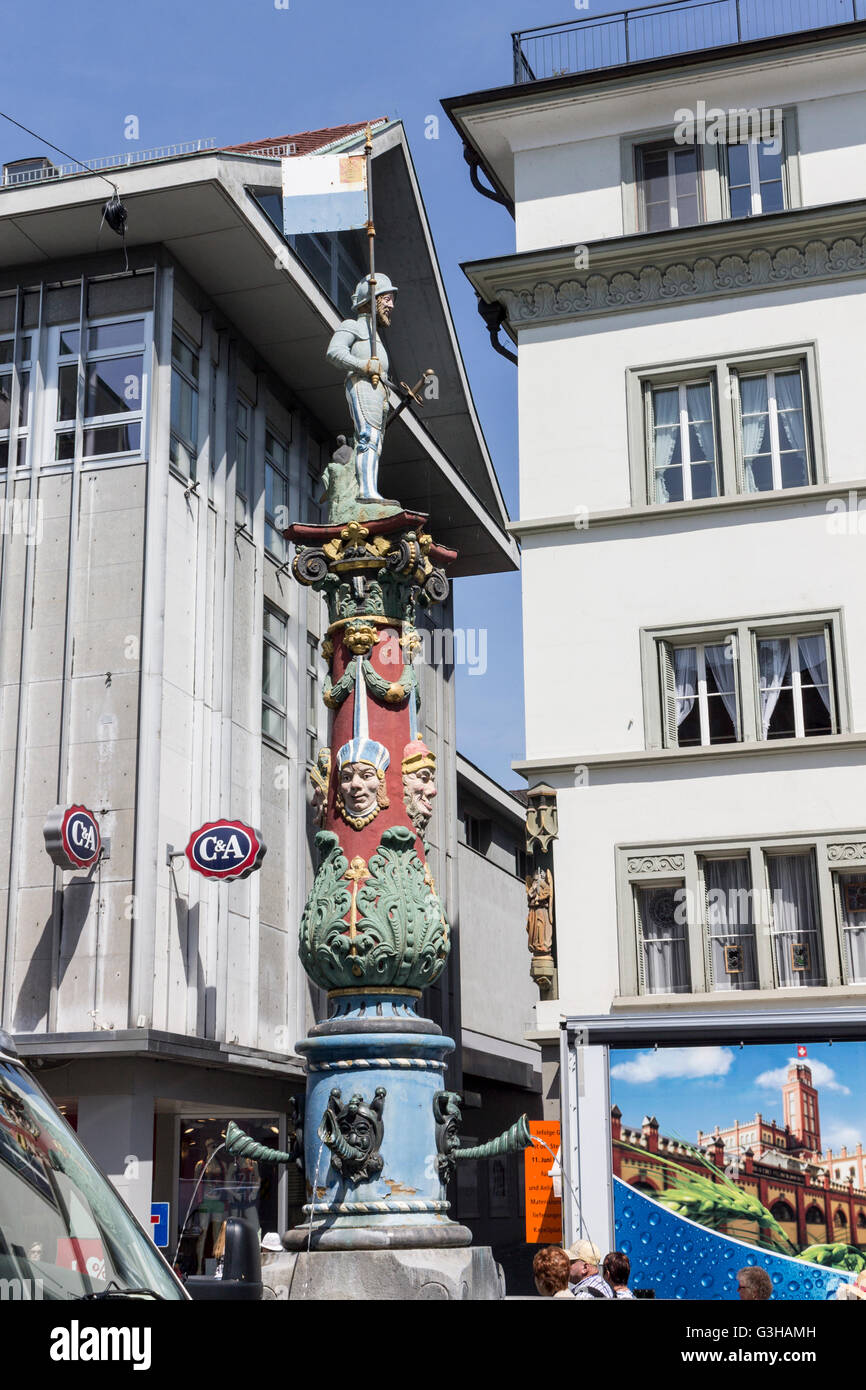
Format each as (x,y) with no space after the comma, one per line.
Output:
(686,1063)
(839,1136)
(822,1076)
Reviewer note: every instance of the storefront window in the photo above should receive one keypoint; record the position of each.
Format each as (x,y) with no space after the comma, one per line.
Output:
(215,1185)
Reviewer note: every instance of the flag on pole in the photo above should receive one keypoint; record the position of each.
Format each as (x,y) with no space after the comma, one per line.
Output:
(324,193)
(801,1050)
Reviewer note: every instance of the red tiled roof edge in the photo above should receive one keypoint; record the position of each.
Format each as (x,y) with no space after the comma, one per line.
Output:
(306,141)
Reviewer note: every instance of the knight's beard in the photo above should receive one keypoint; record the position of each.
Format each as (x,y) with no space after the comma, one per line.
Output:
(383,314)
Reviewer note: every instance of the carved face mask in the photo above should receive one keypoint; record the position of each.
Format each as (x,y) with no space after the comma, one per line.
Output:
(420,790)
(359,787)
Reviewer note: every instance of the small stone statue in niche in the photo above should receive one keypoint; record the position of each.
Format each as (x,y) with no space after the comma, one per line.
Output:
(539,925)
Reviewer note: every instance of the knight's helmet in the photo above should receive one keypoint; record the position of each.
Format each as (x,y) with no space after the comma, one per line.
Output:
(361,297)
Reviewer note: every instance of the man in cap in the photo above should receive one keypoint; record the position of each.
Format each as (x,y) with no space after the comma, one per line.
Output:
(362,355)
(419,783)
(361,792)
(586,1281)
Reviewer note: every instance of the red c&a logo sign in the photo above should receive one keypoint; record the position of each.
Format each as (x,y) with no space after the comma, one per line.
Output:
(72,837)
(225,849)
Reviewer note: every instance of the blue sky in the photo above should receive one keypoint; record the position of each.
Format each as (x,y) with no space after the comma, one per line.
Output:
(694,1088)
(235,71)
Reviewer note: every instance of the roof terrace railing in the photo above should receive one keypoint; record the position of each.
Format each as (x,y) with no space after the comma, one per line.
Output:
(660,31)
(41,172)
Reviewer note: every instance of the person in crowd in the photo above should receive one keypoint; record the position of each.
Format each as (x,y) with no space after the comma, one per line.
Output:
(754,1284)
(616,1269)
(586,1279)
(550,1268)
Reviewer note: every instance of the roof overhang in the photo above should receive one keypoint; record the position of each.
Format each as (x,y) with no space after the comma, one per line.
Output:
(684,1028)
(485,789)
(199,208)
(484,120)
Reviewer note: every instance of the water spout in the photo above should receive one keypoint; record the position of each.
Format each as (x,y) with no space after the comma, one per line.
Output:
(511,1141)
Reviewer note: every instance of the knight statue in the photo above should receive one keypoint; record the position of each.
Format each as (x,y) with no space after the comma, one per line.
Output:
(357,349)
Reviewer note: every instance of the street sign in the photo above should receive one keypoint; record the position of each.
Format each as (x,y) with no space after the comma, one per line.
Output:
(225,849)
(159,1224)
(72,837)
(543,1207)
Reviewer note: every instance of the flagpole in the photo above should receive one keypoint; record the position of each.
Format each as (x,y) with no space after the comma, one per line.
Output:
(371,237)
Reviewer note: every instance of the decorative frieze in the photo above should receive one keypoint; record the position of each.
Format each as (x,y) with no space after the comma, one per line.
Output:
(848,853)
(682,280)
(657,864)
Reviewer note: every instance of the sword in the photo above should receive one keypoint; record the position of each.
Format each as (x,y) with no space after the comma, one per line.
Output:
(408,393)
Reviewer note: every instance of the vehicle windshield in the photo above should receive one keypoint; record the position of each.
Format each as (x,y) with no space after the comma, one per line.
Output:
(64,1232)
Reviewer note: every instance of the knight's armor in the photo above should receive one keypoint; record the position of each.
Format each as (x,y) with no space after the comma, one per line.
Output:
(350,349)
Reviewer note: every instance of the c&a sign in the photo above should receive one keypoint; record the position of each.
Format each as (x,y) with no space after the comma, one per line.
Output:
(72,837)
(225,849)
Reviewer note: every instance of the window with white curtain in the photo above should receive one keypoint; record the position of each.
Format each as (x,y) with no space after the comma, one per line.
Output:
(683,442)
(796,687)
(663,961)
(751,681)
(738,915)
(852,901)
(669,182)
(798,956)
(730,923)
(725,426)
(700,693)
(773,434)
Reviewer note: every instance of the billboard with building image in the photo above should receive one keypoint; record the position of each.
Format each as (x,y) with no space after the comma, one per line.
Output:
(762,1145)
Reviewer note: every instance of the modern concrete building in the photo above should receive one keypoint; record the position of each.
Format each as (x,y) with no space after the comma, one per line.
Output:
(687,293)
(163,419)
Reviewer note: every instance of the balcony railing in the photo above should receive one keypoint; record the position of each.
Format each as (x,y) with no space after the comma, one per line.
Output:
(46,170)
(659,31)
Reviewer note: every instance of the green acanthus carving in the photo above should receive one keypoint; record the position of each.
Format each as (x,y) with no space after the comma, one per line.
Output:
(335,693)
(396,933)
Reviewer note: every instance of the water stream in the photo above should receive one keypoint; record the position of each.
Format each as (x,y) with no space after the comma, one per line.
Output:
(193,1197)
(312,1215)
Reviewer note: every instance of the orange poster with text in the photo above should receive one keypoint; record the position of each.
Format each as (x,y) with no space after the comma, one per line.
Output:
(543,1209)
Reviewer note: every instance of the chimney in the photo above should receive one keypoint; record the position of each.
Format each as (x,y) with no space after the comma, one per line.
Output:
(650,1132)
(615,1122)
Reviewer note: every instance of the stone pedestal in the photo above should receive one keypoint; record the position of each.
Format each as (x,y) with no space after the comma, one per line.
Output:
(358,1276)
